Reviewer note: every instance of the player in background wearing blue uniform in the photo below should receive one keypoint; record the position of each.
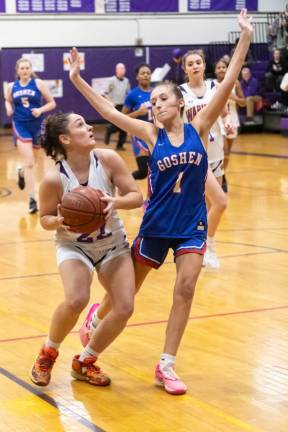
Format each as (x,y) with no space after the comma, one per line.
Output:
(23,101)
(137,105)
(176,214)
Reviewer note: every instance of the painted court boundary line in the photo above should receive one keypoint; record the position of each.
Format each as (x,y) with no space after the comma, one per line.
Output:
(48,399)
(146,323)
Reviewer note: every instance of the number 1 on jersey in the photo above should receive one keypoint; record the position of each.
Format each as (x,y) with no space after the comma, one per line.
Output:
(177,187)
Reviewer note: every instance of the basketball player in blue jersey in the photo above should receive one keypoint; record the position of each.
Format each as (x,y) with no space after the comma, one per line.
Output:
(176,214)
(23,101)
(137,105)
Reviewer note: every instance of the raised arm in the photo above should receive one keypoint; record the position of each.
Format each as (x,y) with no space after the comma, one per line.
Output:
(140,128)
(207,117)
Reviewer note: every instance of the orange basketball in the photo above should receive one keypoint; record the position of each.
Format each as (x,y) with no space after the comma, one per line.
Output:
(82,209)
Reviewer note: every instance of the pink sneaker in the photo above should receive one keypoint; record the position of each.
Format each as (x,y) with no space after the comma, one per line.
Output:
(85,329)
(168,379)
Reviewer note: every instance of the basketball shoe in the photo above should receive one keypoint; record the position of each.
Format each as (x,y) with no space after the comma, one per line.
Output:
(87,328)
(33,208)
(21,178)
(166,377)
(87,371)
(210,257)
(41,369)
(211,260)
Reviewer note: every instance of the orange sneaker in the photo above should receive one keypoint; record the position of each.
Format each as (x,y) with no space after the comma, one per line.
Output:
(87,371)
(41,369)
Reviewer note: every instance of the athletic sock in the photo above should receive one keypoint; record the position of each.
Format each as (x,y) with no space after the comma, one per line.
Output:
(87,352)
(167,359)
(50,344)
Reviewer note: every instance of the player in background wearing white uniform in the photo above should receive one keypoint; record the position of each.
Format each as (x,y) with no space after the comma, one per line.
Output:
(236,98)
(197,93)
(69,140)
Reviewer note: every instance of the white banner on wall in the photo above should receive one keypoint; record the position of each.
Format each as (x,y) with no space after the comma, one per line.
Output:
(100,85)
(66,64)
(37,61)
(56,87)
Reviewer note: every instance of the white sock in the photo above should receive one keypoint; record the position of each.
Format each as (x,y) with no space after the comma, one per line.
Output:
(95,320)
(49,343)
(211,243)
(88,352)
(167,359)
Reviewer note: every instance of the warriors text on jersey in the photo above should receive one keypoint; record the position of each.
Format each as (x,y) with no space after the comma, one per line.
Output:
(177,175)
(194,104)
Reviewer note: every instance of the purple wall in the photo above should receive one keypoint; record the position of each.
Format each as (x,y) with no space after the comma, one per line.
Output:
(100,62)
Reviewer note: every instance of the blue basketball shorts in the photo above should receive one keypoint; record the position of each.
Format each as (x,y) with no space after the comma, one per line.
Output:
(140,148)
(27,131)
(152,251)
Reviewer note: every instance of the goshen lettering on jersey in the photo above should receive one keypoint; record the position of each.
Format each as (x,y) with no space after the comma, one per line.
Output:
(191,112)
(25,92)
(182,158)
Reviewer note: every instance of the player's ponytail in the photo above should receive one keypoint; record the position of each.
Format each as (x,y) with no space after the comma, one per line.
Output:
(52,128)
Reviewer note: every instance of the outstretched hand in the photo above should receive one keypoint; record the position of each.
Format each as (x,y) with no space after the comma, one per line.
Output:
(74,61)
(245,21)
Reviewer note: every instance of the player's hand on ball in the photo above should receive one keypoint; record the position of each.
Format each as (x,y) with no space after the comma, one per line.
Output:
(110,201)
(60,220)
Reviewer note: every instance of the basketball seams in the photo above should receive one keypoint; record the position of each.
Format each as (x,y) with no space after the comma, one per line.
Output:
(81,196)
(82,209)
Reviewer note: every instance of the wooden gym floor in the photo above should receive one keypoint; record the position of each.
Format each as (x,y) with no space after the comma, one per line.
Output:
(234,355)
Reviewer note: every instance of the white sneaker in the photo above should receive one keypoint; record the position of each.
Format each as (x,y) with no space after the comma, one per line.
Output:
(210,260)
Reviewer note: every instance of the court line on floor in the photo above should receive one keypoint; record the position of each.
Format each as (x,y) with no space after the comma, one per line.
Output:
(267,155)
(270,251)
(146,323)
(134,234)
(48,399)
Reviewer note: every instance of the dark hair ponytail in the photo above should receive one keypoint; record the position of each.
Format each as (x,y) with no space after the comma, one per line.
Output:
(53,126)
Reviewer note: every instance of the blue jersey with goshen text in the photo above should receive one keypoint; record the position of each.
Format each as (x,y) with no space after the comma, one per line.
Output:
(24,99)
(177,175)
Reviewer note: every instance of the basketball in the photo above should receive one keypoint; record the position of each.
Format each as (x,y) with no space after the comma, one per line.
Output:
(82,209)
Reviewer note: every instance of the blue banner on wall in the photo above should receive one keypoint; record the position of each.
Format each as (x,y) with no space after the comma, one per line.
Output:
(55,6)
(222,5)
(2,6)
(138,6)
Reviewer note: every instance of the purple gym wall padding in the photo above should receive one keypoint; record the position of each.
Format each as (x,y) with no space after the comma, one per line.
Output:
(2,6)
(140,6)
(100,62)
(221,5)
(43,6)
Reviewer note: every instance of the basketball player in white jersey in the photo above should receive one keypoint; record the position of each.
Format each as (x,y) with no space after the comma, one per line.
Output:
(236,99)
(69,140)
(197,93)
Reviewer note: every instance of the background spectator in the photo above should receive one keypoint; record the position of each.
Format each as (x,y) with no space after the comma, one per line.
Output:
(250,88)
(275,71)
(117,91)
(249,56)
(176,73)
